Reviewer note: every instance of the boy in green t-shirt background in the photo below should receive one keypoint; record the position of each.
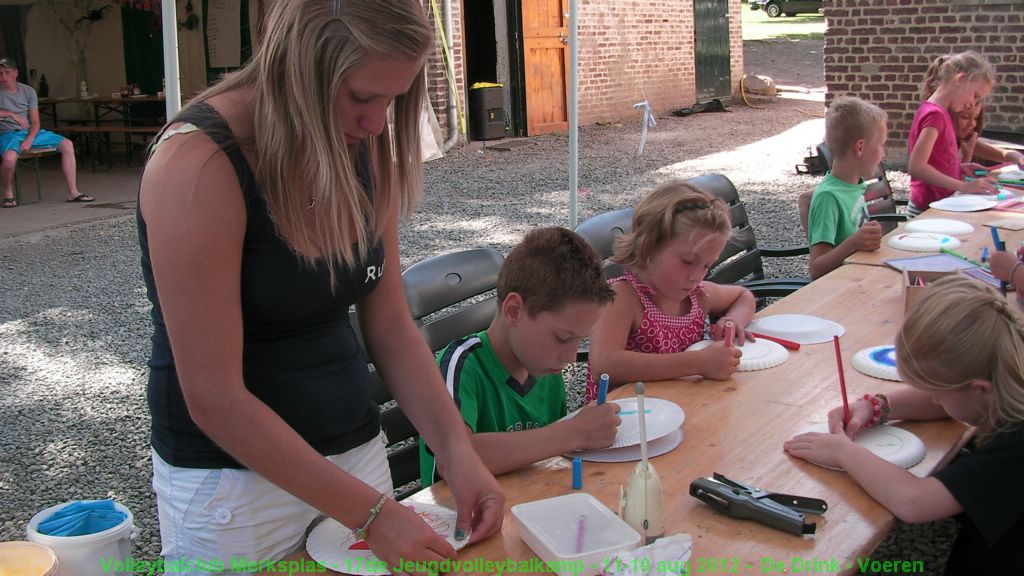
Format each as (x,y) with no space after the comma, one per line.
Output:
(507,380)
(855,132)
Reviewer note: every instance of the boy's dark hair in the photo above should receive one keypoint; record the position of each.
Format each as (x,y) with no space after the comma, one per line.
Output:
(551,267)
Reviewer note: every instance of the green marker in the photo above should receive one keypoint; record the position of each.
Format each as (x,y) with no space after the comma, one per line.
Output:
(952,252)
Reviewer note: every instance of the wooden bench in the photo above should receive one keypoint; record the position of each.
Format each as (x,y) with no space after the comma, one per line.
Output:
(100,136)
(32,157)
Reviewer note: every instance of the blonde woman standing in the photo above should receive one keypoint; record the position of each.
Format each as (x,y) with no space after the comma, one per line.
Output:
(267,208)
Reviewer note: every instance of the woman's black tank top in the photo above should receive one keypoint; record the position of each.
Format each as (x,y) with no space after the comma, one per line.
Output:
(300,353)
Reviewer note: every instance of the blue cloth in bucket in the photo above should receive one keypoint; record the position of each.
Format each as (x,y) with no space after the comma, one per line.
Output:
(81,518)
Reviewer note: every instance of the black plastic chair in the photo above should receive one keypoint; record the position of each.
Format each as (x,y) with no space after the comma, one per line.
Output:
(602,230)
(740,262)
(447,296)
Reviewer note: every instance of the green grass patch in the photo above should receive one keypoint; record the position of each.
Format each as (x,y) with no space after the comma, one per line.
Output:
(758,26)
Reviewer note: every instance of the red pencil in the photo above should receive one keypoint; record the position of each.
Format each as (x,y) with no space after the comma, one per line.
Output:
(730,333)
(842,382)
(785,343)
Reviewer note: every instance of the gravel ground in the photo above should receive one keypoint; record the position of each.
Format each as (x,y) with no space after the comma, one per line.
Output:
(74,325)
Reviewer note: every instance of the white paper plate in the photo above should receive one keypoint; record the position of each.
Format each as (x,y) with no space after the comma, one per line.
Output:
(655,448)
(965,203)
(336,547)
(878,362)
(663,417)
(800,328)
(923,242)
(756,355)
(889,443)
(939,226)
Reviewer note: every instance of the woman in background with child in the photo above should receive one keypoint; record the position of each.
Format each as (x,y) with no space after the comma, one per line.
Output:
(953,84)
(962,352)
(662,302)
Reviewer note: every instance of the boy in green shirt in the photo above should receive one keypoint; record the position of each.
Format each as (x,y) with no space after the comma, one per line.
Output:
(855,131)
(507,380)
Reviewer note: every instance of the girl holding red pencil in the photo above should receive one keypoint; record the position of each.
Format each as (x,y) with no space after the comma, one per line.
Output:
(962,352)
(662,300)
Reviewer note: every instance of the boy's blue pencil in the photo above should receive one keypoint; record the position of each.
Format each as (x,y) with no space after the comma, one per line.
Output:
(602,389)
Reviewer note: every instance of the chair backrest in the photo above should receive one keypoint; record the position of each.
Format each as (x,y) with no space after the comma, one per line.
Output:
(803,205)
(825,154)
(741,259)
(602,230)
(434,288)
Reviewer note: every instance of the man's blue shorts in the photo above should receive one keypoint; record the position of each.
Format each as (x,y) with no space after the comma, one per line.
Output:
(13,140)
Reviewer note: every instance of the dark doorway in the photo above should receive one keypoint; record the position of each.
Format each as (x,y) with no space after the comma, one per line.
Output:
(711,39)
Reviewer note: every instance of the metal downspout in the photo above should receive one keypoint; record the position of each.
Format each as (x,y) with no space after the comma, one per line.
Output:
(453,118)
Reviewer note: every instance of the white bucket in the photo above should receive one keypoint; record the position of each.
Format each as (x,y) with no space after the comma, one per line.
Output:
(88,555)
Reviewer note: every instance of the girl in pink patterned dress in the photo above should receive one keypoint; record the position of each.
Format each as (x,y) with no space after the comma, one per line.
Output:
(661,302)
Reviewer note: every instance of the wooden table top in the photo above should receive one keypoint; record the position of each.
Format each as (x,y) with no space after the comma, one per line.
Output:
(970,245)
(737,428)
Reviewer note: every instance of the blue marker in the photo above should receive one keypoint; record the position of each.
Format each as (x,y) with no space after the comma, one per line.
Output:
(1000,246)
(984,254)
(981,172)
(577,474)
(602,389)
(997,243)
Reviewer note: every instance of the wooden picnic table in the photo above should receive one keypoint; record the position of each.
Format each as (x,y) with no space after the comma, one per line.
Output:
(970,245)
(102,106)
(737,427)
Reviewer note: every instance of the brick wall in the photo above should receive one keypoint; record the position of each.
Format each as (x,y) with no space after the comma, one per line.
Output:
(879,50)
(629,46)
(624,45)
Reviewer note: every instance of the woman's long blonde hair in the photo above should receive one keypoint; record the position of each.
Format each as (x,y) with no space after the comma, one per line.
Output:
(675,207)
(302,158)
(965,331)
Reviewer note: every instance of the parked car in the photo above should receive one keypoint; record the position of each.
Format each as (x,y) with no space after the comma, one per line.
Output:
(774,8)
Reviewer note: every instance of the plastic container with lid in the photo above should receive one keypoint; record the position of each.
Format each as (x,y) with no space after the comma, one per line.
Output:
(574,534)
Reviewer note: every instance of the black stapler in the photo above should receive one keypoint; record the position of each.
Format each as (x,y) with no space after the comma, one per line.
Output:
(737,500)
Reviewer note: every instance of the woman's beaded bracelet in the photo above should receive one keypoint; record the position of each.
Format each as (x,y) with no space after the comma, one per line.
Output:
(360,533)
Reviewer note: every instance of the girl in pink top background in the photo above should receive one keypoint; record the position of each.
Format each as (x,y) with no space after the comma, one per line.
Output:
(662,301)
(952,84)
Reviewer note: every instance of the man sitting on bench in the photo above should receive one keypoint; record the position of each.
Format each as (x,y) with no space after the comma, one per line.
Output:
(19,133)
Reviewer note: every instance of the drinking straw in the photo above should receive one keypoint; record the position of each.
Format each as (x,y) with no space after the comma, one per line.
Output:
(643,423)
(580,525)
(842,382)
(730,332)
(602,389)
(785,343)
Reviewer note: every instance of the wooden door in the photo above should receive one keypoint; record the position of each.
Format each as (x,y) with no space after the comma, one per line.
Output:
(711,34)
(545,65)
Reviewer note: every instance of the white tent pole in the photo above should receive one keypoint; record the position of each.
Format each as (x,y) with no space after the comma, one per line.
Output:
(573,112)
(172,75)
